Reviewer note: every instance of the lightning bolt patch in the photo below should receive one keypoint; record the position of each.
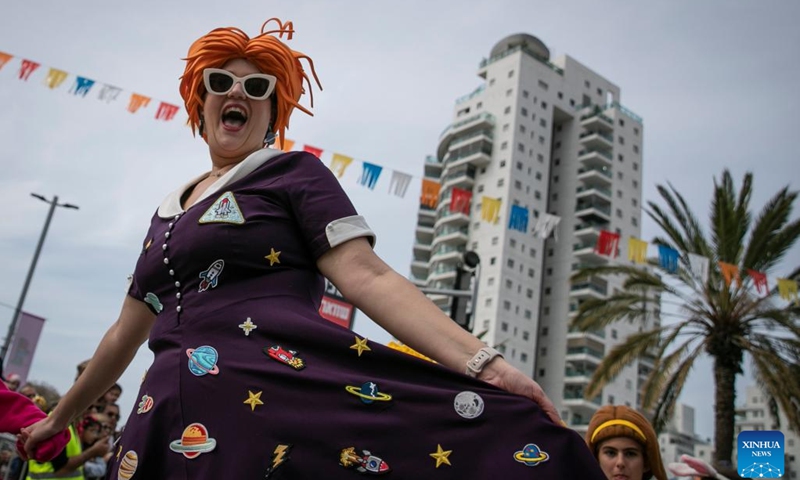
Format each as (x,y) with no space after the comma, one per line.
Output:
(279,456)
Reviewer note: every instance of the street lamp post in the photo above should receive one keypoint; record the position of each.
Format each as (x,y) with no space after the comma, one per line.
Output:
(18,310)
(462,313)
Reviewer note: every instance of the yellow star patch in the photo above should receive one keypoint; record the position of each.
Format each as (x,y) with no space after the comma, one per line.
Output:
(254,400)
(247,326)
(360,345)
(273,257)
(441,456)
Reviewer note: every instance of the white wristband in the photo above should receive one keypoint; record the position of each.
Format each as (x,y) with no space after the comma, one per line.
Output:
(480,360)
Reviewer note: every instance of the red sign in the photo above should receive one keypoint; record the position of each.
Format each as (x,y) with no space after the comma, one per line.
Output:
(337,311)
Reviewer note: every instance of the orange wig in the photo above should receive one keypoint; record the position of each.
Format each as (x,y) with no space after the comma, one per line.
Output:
(269,54)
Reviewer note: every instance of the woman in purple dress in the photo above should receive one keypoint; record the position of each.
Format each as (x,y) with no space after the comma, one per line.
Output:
(248,381)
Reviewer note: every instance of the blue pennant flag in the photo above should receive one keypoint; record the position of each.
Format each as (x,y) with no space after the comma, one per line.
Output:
(370,174)
(82,86)
(518,219)
(668,258)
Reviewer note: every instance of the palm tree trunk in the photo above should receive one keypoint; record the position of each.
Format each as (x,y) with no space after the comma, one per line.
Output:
(724,410)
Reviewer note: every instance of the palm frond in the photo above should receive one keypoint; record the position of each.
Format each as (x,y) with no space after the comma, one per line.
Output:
(619,357)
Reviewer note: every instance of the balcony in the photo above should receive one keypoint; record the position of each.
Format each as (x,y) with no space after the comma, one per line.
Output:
(451,235)
(424,234)
(595,176)
(447,254)
(597,140)
(464,179)
(419,269)
(451,219)
(596,120)
(443,273)
(593,212)
(426,216)
(589,232)
(595,158)
(594,194)
(588,290)
(482,121)
(422,251)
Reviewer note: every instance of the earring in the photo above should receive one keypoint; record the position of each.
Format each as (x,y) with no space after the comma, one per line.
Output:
(269,139)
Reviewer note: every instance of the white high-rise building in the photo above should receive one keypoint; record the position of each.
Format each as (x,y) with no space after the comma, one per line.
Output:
(544,137)
(756,413)
(679,438)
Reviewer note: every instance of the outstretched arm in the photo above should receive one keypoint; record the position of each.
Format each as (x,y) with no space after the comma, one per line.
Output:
(405,312)
(112,357)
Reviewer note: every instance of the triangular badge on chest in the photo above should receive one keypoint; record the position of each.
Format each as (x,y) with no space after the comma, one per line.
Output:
(223,210)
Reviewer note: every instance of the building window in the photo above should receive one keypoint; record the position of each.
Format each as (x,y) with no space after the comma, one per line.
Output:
(524,112)
(543,122)
(621,140)
(505,127)
(614,333)
(504,146)
(619,213)
(488,302)
(611,399)
(557,162)
(528,314)
(510,263)
(619,175)
(546,310)
(600,91)
(619,193)
(521,147)
(634,222)
(636,131)
(550,252)
(524,94)
(495,240)
(538,175)
(544,105)
(543,85)
(525,335)
(522,128)
(635,184)
(530,272)
(512,243)
(560,95)
(518,185)
(507,110)
(555,197)
(636,149)
(555,179)
(504,326)
(493,260)
(537,195)
(620,158)
(635,202)
(533,253)
(547,291)
(519,165)
(490,281)
(543,351)
(480,188)
(491,82)
(510,73)
(541,372)
(509,92)
(501,182)
(523,357)
(540,158)
(587,84)
(529,293)
(478,106)
(635,167)
(502,163)
(621,122)
(506,306)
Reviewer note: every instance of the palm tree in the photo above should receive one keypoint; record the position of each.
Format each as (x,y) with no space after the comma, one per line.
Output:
(711,318)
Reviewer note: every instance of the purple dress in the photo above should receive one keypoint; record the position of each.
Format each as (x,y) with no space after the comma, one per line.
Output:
(249,382)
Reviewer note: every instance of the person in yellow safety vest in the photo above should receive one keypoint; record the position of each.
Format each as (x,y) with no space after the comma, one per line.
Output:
(69,463)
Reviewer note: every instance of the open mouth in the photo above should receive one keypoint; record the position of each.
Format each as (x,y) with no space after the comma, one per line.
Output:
(234,117)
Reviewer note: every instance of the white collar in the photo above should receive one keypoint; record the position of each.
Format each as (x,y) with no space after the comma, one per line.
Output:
(171,205)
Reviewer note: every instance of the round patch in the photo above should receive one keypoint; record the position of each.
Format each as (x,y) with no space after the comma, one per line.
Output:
(468,404)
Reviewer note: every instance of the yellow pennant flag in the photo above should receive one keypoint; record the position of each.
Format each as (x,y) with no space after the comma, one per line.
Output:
(729,273)
(637,250)
(787,289)
(4,58)
(490,209)
(137,102)
(55,78)
(339,164)
(430,193)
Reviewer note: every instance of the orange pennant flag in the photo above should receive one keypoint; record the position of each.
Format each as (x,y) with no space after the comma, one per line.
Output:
(4,58)
(286,144)
(339,164)
(317,152)
(729,273)
(637,250)
(137,102)
(430,193)
(166,111)
(26,69)
(55,78)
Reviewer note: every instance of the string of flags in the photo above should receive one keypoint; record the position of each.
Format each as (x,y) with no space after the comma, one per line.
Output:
(608,245)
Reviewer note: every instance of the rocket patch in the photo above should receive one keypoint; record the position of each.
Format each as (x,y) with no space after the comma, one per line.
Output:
(211,275)
(223,210)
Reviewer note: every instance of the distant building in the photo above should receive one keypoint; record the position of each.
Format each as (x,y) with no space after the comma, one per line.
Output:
(540,137)
(679,438)
(756,414)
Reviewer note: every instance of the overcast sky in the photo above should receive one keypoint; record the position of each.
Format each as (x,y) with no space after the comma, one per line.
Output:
(715,81)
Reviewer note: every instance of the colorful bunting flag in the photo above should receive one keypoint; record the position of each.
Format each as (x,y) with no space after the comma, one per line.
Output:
(26,69)
(399,183)
(637,250)
(699,264)
(430,193)
(137,102)
(4,58)
(55,77)
(166,111)
(545,225)
(787,289)
(518,220)
(82,86)
(668,257)
(317,152)
(109,93)
(370,174)
(607,244)
(339,164)
(490,209)
(286,145)
(729,273)
(460,200)
(759,280)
